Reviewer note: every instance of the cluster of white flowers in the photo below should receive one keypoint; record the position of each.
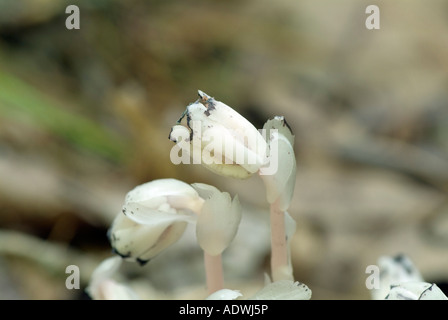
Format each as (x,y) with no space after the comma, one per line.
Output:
(155,214)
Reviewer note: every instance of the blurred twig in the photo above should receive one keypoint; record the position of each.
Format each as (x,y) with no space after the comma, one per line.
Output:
(52,257)
(397,156)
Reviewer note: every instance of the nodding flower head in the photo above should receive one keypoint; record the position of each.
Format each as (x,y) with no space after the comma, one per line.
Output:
(219,138)
(155,215)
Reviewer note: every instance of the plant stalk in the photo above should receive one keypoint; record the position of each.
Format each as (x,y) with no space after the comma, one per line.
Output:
(279,248)
(213,272)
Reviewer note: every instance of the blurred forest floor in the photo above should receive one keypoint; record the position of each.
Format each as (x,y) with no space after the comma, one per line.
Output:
(85,115)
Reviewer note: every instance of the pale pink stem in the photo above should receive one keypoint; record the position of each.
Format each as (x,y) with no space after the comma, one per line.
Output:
(213,272)
(279,249)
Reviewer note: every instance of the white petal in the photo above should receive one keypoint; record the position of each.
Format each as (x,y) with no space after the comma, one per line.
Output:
(131,242)
(393,271)
(112,290)
(179,133)
(281,183)
(153,193)
(223,123)
(102,287)
(433,293)
(205,191)
(229,149)
(154,218)
(224,294)
(104,271)
(219,220)
(220,113)
(142,242)
(283,290)
(228,170)
(172,234)
(415,291)
(279,123)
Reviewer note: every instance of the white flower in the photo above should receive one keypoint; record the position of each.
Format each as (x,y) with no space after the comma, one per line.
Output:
(225,142)
(103,287)
(280,176)
(394,271)
(278,290)
(155,215)
(219,138)
(401,280)
(283,290)
(416,290)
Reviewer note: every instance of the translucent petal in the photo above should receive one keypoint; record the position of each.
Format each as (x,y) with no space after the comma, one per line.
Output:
(433,293)
(283,290)
(281,183)
(104,271)
(226,148)
(157,190)
(102,287)
(131,242)
(217,112)
(279,123)
(112,290)
(229,170)
(224,294)
(172,234)
(155,218)
(218,222)
(179,132)
(414,290)
(224,125)
(141,242)
(394,270)
(205,191)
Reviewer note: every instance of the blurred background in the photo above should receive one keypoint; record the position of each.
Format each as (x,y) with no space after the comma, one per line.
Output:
(85,115)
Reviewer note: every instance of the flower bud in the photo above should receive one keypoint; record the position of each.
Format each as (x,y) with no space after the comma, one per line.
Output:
(154,216)
(222,140)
